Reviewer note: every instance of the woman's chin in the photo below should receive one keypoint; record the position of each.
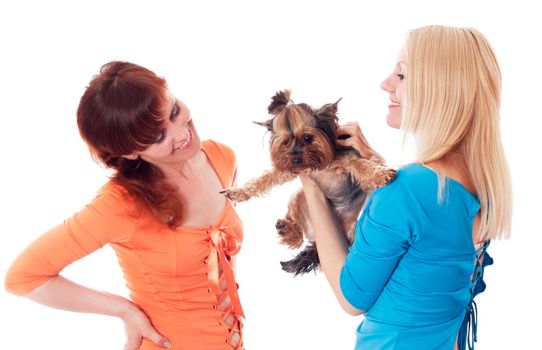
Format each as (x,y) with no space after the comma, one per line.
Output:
(394,120)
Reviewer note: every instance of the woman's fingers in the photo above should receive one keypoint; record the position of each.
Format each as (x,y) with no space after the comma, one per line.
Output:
(353,130)
(348,129)
(137,327)
(357,140)
(151,334)
(356,143)
(133,342)
(339,170)
(362,147)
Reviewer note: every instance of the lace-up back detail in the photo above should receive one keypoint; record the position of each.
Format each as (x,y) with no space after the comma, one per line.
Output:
(468,332)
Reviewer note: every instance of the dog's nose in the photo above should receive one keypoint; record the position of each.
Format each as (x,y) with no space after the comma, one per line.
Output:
(296,161)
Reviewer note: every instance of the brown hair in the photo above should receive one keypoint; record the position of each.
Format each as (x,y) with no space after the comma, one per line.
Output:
(121,112)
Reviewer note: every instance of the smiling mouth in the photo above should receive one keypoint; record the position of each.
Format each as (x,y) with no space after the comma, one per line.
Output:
(394,104)
(188,141)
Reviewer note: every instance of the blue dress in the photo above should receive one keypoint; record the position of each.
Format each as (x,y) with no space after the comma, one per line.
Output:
(411,263)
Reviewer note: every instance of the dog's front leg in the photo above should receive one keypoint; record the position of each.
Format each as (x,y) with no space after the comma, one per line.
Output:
(258,186)
(366,172)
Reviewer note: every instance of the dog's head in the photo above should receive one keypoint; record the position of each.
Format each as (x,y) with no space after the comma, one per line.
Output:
(301,137)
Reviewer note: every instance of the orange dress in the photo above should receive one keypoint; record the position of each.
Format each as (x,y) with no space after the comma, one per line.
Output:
(178,277)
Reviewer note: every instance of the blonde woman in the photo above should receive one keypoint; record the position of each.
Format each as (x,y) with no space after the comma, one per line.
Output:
(420,248)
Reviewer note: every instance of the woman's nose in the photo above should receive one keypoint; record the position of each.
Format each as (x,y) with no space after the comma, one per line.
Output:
(387,85)
(180,133)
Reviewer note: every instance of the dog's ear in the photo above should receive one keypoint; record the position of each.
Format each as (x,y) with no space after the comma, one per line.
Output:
(328,111)
(279,101)
(268,124)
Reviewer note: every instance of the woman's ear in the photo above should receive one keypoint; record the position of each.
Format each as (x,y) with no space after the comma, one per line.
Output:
(132,156)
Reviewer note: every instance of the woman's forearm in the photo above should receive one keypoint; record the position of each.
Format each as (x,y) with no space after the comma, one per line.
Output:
(330,242)
(61,293)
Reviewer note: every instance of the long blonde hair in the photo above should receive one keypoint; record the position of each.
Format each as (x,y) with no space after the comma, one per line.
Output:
(451,104)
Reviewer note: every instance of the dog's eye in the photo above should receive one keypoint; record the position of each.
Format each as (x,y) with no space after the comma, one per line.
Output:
(307,138)
(285,142)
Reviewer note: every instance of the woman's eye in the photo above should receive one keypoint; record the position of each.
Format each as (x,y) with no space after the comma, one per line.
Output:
(160,137)
(401,76)
(175,113)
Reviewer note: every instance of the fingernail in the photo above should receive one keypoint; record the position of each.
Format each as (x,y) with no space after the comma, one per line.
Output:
(167,344)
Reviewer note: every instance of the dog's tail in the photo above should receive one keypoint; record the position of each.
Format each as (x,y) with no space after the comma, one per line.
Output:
(306,261)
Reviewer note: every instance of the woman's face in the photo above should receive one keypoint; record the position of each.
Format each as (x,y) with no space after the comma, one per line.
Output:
(393,84)
(178,141)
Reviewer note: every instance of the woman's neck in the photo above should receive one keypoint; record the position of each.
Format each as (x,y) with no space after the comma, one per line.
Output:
(453,165)
(182,171)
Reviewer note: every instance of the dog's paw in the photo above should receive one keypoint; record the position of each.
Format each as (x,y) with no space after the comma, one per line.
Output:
(290,233)
(383,176)
(236,195)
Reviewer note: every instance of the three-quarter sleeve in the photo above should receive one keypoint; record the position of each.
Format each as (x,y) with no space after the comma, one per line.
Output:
(102,221)
(381,238)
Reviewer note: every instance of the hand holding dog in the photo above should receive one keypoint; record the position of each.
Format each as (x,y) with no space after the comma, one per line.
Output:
(357,141)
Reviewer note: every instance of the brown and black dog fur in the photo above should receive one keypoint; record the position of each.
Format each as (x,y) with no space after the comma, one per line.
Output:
(303,138)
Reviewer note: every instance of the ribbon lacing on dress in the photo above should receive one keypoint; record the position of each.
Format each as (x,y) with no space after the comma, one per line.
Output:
(469,327)
(224,245)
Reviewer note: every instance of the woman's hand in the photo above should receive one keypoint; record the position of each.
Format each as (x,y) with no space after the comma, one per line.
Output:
(309,186)
(357,141)
(137,327)
(306,181)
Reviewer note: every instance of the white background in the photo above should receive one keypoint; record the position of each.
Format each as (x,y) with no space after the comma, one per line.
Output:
(225,59)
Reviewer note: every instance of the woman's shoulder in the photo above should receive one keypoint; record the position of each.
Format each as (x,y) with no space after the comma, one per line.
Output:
(116,197)
(413,173)
(112,191)
(403,191)
(412,177)
(407,177)
(213,147)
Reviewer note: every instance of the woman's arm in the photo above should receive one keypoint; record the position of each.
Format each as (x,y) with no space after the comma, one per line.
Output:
(35,272)
(330,242)
(61,293)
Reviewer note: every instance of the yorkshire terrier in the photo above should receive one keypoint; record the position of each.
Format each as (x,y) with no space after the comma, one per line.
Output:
(305,139)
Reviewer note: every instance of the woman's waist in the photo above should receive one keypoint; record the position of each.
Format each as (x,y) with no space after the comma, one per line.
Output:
(373,323)
(175,302)
(201,326)
(416,310)
(198,335)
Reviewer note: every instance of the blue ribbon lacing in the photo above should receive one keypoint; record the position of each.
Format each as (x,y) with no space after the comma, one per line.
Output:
(469,327)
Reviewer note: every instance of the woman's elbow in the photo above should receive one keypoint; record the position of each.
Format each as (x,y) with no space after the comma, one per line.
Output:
(10,283)
(349,309)
(20,284)
(355,312)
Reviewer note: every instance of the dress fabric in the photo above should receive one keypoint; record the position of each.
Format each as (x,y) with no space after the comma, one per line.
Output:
(411,263)
(178,277)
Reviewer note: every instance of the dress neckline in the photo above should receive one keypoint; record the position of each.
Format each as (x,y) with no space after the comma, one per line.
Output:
(222,182)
